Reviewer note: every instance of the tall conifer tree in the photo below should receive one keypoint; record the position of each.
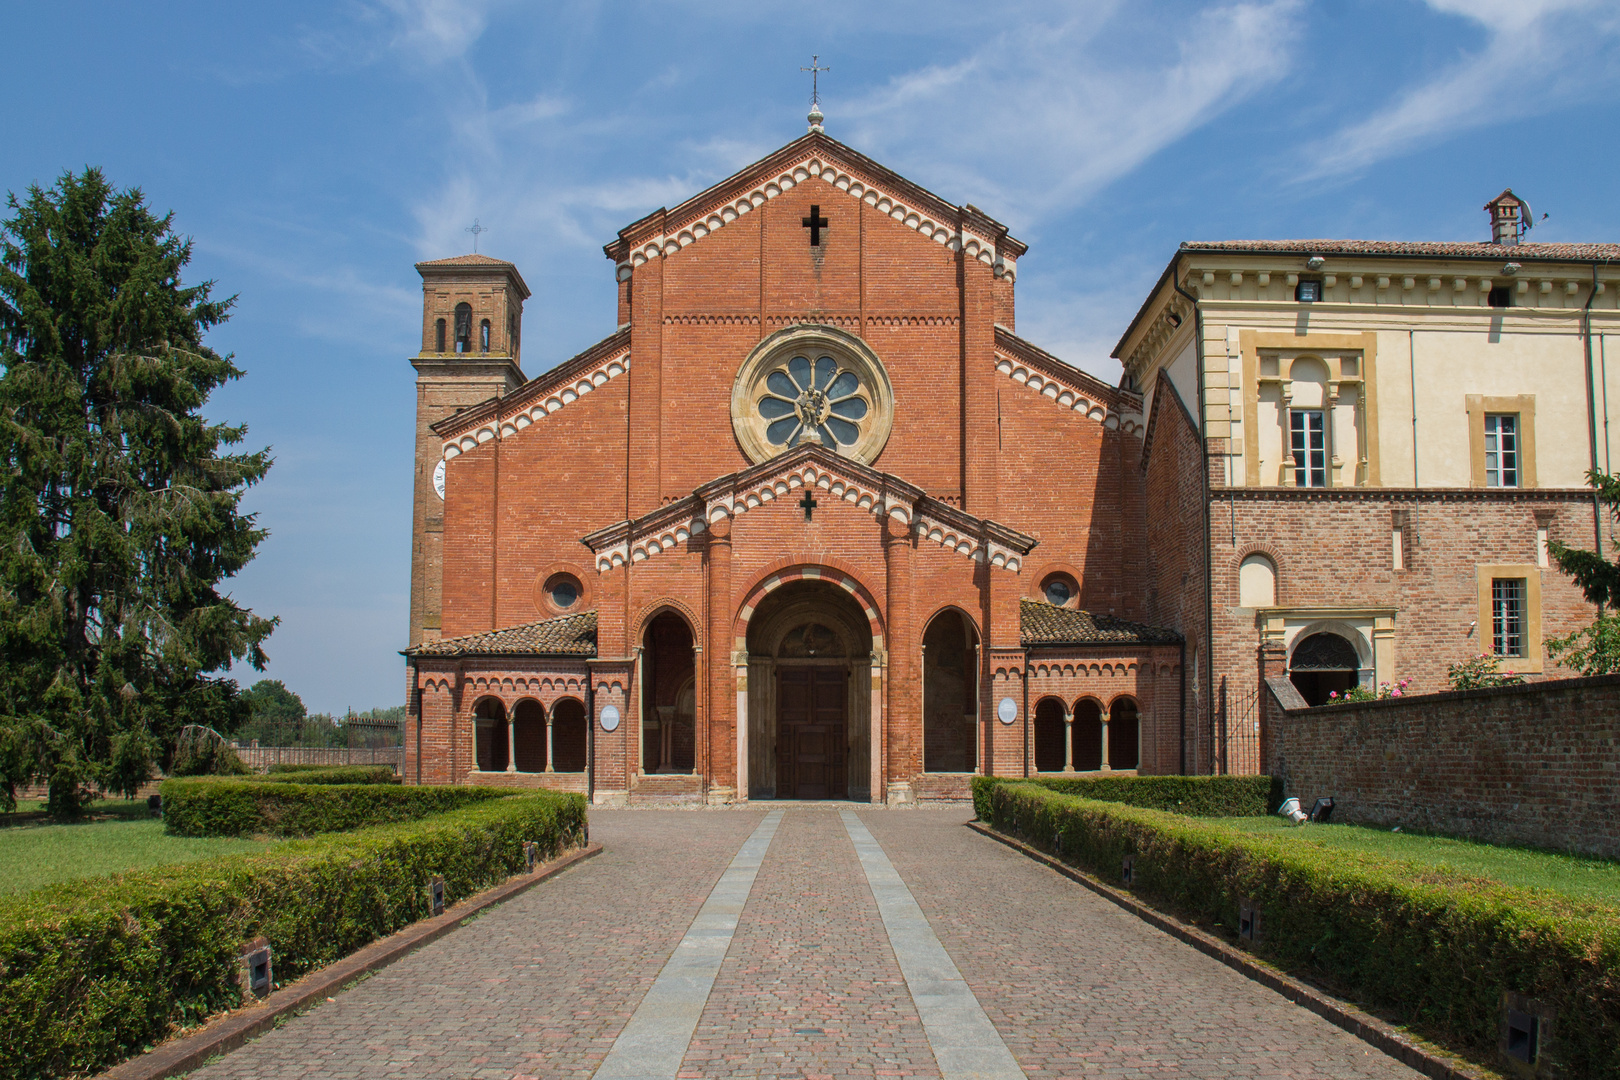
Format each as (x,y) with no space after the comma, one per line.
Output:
(119,509)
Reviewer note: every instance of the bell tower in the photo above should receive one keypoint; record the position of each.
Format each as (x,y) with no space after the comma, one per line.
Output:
(472,332)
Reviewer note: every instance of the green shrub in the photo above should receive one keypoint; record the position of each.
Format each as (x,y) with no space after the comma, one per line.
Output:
(218,807)
(1434,946)
(1195,796)
(93,971)
(288,768)
(330,774)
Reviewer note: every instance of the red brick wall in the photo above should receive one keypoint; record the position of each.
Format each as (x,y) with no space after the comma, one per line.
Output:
(1333,549)
(1536,764)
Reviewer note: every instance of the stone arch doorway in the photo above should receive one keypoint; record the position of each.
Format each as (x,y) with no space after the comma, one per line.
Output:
(809,694)
(1324,664)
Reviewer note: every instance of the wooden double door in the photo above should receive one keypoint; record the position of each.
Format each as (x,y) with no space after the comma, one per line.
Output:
(811,722)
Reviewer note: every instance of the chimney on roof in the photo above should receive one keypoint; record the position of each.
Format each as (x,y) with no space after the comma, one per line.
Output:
(1509,218)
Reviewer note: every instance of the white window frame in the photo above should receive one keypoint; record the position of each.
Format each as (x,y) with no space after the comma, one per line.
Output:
(1502,462)
(1309,462)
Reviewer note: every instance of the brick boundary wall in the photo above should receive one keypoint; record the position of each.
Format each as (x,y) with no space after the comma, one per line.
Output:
(1537,764)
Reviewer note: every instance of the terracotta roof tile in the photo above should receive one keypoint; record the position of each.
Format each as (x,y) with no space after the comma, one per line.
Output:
(1417,248)
(566,635)
(1045,624)
(465,260)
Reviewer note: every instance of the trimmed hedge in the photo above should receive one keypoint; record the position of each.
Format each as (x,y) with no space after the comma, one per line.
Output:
(1436,947)
(232,807)
(1195,796)
(327,774)
(94,971)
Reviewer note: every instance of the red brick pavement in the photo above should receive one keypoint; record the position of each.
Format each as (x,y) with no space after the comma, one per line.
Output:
(537,987)
(1080,988)
(810,987)
(541,986)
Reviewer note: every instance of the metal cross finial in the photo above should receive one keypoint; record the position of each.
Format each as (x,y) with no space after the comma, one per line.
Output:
(475,230)
(815,69)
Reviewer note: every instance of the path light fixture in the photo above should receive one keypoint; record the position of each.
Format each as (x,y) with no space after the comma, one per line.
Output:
(1290,810)
(256,977)
(436,895)
(531,854)
(1127,870)
(1322,810)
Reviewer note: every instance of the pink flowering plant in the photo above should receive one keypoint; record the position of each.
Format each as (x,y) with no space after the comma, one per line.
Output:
(1360,693)
(1480,672)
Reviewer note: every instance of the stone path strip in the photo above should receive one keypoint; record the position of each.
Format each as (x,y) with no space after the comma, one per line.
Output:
(965,1043)
(654,1042)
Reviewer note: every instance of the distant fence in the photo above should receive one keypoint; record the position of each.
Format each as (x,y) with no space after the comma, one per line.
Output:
(260,758)
(1534,764)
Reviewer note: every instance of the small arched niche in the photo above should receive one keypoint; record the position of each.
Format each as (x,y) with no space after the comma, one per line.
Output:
(1257,582)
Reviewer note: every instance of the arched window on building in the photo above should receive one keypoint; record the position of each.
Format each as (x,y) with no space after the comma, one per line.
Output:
(950,694)
(463,328)
(568,731)
(668,723)
(483,336)
(489,735)
(1323,664)
(1124,734)
(1049,735)
(529,736)
(1088,742)
(1257,582)
(438,336)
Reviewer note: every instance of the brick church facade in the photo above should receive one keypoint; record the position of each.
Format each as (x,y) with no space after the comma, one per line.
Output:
(812,522)
(815,522)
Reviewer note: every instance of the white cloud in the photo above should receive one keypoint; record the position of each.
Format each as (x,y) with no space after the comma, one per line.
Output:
(1538,53)
(437,29)
(1042,116)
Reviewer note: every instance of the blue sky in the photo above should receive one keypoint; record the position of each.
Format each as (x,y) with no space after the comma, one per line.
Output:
(316,151)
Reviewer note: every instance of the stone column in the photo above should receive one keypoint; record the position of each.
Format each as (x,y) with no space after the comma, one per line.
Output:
(900,753)
(511,743)
(724,709)
(548,739)
(1105,748)
(1068,739)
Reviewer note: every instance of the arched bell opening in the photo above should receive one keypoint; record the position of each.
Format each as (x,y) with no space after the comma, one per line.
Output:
(668,721)
(950,694)
(490,735)
(568,732)
(809,694)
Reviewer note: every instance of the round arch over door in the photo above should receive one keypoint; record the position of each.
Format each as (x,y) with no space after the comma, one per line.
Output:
(1324,664)
(950,694)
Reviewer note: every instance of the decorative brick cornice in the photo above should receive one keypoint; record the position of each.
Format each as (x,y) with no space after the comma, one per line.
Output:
(827,473)
(537,398)
(959,228)
(1066,386)
(1406,495)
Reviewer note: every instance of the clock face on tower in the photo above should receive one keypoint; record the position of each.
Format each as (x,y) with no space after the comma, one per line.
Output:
(438,479)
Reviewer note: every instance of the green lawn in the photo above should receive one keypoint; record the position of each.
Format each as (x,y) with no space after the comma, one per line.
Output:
(1591,880)
(122,836)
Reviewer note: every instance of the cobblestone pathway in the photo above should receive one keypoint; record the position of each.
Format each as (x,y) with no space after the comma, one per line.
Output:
(811,987)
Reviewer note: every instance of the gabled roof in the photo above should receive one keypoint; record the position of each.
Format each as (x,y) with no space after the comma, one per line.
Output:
(1045,624)
(540,396)
(965,228)
(566,635)
(826,472)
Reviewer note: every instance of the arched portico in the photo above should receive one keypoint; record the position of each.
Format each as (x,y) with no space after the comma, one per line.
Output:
(809,637)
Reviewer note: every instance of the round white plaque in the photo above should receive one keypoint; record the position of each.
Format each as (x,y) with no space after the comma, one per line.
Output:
(610,718)
(438,479)
(1007,710)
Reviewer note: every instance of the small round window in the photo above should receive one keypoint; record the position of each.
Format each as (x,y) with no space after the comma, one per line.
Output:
(1059,590)
(562,591)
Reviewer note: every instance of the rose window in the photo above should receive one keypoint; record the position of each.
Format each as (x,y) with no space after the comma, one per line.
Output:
(823,398)
(810,385)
